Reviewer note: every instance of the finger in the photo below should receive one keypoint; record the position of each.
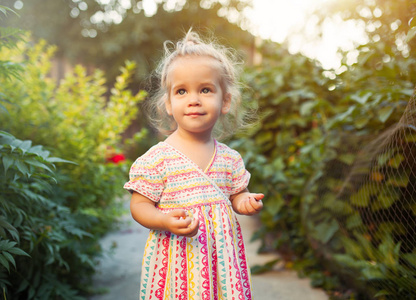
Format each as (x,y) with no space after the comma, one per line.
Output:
(181,222)
(258,196)
(259,205)
(178,213)
(192,229)
(247,207)
(255,206)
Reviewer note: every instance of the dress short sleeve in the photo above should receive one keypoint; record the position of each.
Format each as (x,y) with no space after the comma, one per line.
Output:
(145,178)
(240,176)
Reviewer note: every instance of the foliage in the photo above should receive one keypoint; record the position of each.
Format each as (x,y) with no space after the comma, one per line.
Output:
(105,35)
(48,231)
(41,240)
(77,121)
(349,206)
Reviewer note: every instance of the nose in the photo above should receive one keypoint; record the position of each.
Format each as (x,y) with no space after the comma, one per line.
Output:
(194,100)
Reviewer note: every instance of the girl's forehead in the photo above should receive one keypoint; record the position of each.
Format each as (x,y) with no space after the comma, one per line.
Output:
(195,59)
(194,63)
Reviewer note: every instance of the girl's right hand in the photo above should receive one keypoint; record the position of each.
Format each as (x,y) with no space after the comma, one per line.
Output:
(179,223)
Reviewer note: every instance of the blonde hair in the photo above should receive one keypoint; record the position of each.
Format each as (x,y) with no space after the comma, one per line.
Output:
(193,45)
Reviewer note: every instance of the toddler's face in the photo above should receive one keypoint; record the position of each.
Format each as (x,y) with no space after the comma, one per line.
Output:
(196,99)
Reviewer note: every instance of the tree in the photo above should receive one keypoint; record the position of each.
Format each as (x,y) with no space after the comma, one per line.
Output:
(106,33)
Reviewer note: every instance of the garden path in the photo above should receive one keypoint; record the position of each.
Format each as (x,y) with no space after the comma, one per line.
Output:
(118,274)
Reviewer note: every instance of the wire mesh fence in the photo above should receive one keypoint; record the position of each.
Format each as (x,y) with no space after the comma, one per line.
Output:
(360,211)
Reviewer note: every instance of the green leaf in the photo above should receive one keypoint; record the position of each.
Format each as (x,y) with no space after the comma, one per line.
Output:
(400,180)
(384,157)
(412,22)
(259,269)
(362,197)
(410,258)
(9,257)
(39,151)
(382,293)
(4,262)
(25,145)
(57,159)
(22,168)
(361,121)
(362,99)
(396,161)
(306,108)
(347,158)
(410,137)
(18,251)
(37,163)
(326,230)
(410,34)
(3,108)
(385,113)
(7,162)
(353,221)
(23,285)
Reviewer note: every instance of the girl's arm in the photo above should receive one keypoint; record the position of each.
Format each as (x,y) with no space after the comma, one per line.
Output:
(246,203)
(143,210)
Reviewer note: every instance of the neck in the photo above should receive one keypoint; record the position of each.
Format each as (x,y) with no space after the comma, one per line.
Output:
(186,137)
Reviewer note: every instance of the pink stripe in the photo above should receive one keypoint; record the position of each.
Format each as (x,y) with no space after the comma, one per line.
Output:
(185,206)
(183,275)
(202,238)
(164,270)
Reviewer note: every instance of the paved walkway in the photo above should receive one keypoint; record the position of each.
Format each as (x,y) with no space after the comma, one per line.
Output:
(118,274)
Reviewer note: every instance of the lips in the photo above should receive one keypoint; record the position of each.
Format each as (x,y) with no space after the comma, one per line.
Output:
(194,114)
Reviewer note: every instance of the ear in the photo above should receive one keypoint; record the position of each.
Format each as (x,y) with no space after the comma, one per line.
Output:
(226,105)
(168,105)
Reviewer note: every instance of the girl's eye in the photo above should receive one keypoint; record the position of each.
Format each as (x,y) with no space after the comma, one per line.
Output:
(181,92)
(205,90)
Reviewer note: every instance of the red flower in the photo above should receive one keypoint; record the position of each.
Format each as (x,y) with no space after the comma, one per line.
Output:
(116,158)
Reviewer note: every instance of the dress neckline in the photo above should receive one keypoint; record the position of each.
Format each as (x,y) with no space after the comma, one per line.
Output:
(207,168)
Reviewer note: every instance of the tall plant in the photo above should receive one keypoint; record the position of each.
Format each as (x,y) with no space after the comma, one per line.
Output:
(41,240)
(304,149)
(51,219)
(77,120)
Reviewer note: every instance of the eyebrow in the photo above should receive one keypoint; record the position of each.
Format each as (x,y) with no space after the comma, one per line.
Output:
(204,83)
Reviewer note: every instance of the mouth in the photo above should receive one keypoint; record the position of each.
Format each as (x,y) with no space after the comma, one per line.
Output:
(194,114)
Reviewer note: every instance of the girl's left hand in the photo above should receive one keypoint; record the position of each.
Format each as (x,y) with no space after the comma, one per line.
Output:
(247,203)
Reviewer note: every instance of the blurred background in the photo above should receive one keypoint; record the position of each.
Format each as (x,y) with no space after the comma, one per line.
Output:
(333,148)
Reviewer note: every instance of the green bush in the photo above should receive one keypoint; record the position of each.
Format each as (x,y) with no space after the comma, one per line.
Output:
(77,120)
(41,240)
(306,147)
(51,219)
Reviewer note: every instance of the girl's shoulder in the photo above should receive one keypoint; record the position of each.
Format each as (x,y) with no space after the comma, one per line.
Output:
(154,155)
(223,149)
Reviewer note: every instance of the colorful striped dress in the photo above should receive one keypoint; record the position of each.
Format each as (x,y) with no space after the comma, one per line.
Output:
(212,264)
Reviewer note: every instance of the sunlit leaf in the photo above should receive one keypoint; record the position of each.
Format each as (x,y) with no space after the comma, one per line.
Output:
(307,107)
(410,137)
(25,145)
(400,180)
(410,34)
(362,99)
(385,113)
(396,161)
(37,163)
(347,158)
(361,121)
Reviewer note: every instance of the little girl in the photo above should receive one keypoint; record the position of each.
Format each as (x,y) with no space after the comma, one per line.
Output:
(187,188)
